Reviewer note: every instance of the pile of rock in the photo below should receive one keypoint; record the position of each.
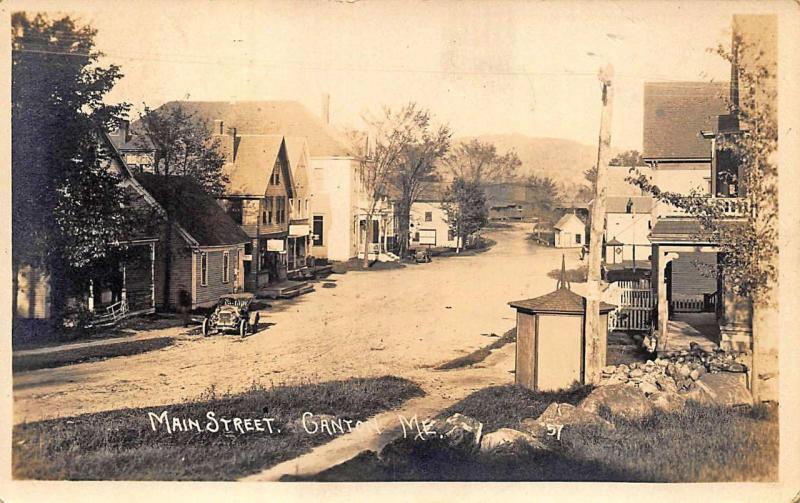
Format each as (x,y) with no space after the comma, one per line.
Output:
(675,372)
(713,361)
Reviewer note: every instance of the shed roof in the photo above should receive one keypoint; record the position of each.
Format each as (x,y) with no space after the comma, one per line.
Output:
(561,301)
(193,210)
(287,118)
(676,112)
(566,220)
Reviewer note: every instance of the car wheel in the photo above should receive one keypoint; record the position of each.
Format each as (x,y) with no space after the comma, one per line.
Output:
(254,328)
(206,327)
(243,328)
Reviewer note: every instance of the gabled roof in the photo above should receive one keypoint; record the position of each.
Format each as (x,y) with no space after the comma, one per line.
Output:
(674,115)
(195,212)
(295,146)
(561,301)
(286,118)
(253,164)
(619,204)
(566,220)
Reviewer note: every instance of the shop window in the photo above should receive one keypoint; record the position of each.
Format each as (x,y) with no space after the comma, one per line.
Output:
(203,269)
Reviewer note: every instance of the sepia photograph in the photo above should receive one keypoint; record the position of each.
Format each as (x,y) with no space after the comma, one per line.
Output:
(400,241)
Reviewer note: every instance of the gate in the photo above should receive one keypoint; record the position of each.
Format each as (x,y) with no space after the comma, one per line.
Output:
(634,301)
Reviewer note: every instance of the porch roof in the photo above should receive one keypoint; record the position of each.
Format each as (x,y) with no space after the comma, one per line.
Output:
(671,230)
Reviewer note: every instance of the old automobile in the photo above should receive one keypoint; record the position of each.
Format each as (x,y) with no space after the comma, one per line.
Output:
(232,313)
(422,255)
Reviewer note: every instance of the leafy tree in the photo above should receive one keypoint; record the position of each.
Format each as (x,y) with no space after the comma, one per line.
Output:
(416,164)
(68,215)
(465,206)
(184,146)
(544,191)
(479,162)
(630,158)
(747,245)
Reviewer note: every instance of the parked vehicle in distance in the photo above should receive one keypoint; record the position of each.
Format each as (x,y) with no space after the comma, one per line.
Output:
(232,314)
(422,255)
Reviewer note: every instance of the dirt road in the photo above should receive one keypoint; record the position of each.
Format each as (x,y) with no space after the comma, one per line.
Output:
(396,322)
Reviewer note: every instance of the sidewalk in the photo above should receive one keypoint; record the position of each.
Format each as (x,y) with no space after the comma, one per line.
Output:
(140,335)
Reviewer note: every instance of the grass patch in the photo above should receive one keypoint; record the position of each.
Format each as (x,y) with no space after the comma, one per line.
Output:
(52,359)
(700,444)
(481,354)
(121,444)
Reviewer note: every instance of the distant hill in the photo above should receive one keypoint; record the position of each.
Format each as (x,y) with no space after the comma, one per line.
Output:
(562,160)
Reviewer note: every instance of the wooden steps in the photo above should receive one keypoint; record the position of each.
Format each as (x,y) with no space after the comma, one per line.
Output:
(285,290)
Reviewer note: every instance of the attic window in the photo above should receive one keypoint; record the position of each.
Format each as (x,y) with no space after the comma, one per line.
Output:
(276,174)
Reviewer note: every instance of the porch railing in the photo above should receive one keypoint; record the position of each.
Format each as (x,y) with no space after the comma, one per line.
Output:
(729,207)
(112,314)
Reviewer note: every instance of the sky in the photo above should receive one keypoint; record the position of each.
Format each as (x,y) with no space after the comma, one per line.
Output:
(482,67)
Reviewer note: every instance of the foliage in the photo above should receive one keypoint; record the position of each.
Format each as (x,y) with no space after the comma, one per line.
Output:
(393,132)
(417,164)
(747,245)
(465,206)
(544,192)
(630,158)
(479,162)
(68,211)
(184,146)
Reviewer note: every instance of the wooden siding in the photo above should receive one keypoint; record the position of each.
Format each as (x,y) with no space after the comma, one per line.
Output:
(526,333)
(33,293)
(208,294)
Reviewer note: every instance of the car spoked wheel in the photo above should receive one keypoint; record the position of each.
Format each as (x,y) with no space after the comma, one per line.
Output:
(206,328)
(243,328)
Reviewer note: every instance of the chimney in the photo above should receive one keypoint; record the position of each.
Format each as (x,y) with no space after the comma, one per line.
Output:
(326,108)
(219,126)
(235,140)
(126,130)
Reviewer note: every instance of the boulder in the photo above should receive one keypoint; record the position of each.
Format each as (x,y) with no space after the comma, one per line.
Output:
(506,442)
(698,394)
(668,401)
(610,369)
(648,388)
(637,372)
(625,401)
(726,388)
(562,414)
(459,431)
(666,383)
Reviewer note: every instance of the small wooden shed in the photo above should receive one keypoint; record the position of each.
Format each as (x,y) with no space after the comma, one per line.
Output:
(551,338)
(570,232)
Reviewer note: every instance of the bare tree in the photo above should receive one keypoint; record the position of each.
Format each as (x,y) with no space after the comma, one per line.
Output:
(416,165)
(393,132)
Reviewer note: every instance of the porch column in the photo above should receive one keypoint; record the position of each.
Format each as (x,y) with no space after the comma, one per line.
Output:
(663,305)
(124,293)
(90,303)
(153,275)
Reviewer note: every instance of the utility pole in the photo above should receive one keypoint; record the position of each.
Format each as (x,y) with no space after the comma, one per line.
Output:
(596,342)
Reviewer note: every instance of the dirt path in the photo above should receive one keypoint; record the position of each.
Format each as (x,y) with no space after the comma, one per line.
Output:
(388,426)
(396,322)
